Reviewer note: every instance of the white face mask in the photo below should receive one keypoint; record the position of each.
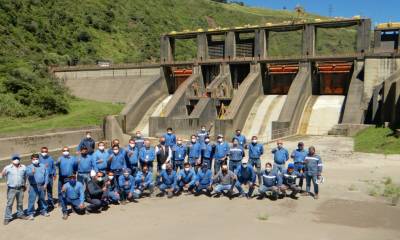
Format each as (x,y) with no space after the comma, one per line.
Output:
(88,136)
(244,165)
(138,135)
(163,167)
(169,132)
(187,169)
(132,145)
(179,142)
(220,139)
(35,162)
(111,177)
(15,161)
(193,140)
(101,147)
(116,151)
(207,140)
(65,153)
(44,154)
(99,179)
(203,129)
(126,174)
(254,141)
(268,169)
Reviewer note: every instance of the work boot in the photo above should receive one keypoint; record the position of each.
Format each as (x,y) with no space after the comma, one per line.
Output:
(316,197)
(170,194)
(65,216)
(6,221)
(46,214)
(30,217)
(23,217)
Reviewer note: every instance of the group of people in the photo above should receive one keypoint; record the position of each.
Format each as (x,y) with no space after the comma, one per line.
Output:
(95,178)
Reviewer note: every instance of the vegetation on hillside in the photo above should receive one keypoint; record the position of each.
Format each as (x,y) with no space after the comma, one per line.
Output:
(35,34)
(377,140)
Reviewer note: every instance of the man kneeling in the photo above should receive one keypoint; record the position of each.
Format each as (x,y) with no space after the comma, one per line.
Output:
(225,180)
(289,181)
(126,185)
(168,181)
(96,192)
(143,181)
(271,182)
(73,194)
(186,178)
(245,176)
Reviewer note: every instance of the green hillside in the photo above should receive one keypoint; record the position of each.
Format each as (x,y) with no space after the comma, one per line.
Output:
(37,33)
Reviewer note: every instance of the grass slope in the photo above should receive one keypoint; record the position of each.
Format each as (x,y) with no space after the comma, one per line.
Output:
(377,140)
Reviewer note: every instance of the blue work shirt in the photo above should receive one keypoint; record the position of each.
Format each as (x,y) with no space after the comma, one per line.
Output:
(89,143)
(100,157)
(313,165)
(299,155)
(132,155)
(179,152)
(16,176)
(75,191)
(48,162)
(236,153)
(147,155)
(194,150)
(188,177)
(245,174)
(139,141)
(39,177)
(201,135)
(169,179)
(255,150)
(126,183)
(143,179)
(117,161)
(271,178)
(86,164)
(281,155)
(204,176)
(241,139)
(221,150)
(66,165)
(170,139)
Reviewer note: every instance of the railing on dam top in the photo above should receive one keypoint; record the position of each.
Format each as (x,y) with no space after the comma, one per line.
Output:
(97,67)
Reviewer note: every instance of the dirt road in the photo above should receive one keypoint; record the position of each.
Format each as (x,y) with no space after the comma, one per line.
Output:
(344,210)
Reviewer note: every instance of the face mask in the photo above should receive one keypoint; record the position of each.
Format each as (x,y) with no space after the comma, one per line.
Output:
(65,153)
(235,144)
(254,141)
(244,165)
(100,179)
(44,154)
(162,142)
(35,162)
(116,151)
(88,136)
(72,181)
(169,133)
(207,140)
(111,177)
(84,154)
(15,161)
(132,145)
(163,167)
(279,145)
(138,135)
(203,129)
(126,175)
(187,169)
(220,139)
(193,140)
(101,147)
(179,142)
(268,169)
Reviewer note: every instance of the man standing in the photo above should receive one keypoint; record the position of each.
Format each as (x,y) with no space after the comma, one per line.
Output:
(73,193)
(298,157)
(143,181)
(204,180)
(241,138)
(245,176)
(15,174)
(281,155)
(207,152)
(289,181)
(168,181)
(85,164)
(178,154)
(194,151)
(147,155)
(272,181)
(164,154)
(186,178)
(132,155)
(221,153)
(139,140)
(38,179)
(66,167)
(126,185)
(116,161)
(202,134)
(256,150)
(46,160)
(100,158)
(170,138)
(313,170)
(236,154)
(87,142)
(225,180)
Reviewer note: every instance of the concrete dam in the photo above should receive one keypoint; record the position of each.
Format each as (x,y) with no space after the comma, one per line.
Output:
(234,83)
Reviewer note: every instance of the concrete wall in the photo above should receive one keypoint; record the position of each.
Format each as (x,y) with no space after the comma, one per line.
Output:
(354,108)
(242,101)
(54,141)
(108,85)
(299,92)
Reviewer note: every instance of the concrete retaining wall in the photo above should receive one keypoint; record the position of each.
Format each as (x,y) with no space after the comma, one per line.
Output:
(54,141)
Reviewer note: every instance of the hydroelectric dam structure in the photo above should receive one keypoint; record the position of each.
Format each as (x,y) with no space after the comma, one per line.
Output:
(234,81)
